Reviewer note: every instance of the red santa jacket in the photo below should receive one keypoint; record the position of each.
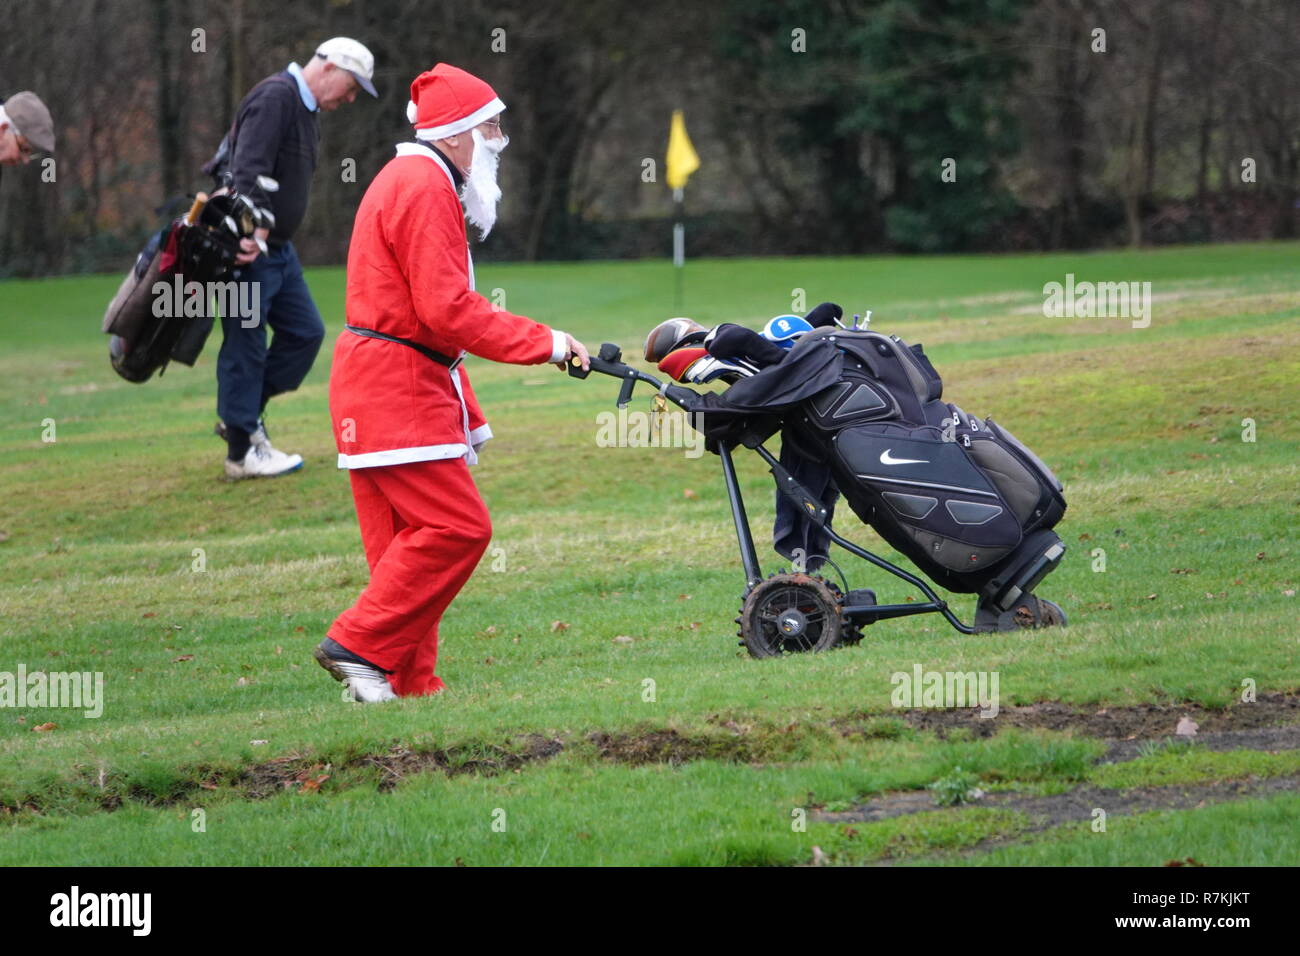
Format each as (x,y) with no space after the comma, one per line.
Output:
(410,275)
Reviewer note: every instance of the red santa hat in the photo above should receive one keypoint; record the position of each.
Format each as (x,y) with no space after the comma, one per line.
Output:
(446,101)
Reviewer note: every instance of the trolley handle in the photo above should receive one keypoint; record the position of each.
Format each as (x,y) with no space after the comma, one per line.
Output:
(609,361)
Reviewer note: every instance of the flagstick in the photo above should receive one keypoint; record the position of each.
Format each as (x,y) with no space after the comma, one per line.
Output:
(679,248)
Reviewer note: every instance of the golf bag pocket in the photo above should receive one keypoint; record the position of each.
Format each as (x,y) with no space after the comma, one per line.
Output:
(1028,485)
(141,341)
(857,397)
(926,496)
(132,306)
(901,371)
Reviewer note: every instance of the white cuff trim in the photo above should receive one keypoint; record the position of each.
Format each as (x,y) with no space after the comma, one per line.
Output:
(479,435)
(484,112)
(559,346)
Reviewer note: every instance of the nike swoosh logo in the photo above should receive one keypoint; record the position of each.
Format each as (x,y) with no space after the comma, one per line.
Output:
(887,459)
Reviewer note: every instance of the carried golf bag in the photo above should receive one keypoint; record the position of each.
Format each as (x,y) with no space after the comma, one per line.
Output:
(861,415)
(199,247)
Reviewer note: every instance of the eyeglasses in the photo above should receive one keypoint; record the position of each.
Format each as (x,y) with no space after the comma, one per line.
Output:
(495,123)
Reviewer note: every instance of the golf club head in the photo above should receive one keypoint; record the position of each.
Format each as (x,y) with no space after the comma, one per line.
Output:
(247,215)
(672,334)
(709,369)
(695,366)
(268,184)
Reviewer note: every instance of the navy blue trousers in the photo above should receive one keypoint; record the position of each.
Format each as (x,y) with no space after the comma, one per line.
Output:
(248,373)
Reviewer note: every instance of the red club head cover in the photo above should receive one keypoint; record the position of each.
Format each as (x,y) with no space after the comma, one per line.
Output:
(676,363)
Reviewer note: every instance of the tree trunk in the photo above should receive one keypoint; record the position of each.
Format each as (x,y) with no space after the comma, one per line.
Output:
(235,51)
(1133,185)
(1072,130)
(1149,120)
(168,115)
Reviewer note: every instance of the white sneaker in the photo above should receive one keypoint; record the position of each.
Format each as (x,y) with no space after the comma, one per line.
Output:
(367,684)
(263,461)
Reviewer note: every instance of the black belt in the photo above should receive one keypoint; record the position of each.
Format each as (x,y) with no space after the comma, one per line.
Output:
(422,349)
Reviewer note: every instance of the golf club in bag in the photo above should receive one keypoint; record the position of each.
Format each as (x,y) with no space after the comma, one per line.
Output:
(201,247)
(860,416)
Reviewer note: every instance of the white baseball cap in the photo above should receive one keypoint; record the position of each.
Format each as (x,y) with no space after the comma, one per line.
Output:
(348,54)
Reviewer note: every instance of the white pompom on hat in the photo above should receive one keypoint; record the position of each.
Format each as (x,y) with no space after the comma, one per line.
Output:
(446,101)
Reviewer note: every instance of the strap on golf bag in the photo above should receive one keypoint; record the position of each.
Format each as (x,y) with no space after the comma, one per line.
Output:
(219,164)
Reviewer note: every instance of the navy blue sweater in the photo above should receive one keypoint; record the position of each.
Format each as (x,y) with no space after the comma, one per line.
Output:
(277,136)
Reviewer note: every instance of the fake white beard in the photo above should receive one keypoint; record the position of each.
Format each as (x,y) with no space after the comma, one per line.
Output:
(480,194)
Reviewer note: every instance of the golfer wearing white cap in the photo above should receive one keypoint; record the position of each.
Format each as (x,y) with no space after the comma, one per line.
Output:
(276,133)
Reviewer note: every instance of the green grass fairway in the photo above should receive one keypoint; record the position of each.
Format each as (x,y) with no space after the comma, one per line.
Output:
(599,710)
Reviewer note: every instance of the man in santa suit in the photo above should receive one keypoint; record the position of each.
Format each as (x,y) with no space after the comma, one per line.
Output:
(405,419)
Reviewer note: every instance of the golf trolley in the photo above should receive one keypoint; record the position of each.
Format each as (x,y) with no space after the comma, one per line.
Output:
(793,612)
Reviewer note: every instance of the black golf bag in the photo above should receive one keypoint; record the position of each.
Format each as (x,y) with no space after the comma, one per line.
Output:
(861,415)
(199,247)
(142,342)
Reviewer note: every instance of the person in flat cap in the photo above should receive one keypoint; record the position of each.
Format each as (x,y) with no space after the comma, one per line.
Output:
(276,134)
(25,127)
(405,418)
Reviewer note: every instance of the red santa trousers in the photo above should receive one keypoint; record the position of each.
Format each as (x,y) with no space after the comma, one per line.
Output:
(424,528)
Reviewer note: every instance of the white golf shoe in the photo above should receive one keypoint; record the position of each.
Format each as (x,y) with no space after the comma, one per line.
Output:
(365,682)
(263,461)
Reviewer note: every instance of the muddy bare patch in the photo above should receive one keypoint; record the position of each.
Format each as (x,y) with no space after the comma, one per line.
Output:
(1271,723)
(313,773)
(296,772)
(1266,738)
(400,763)
(1127,722)
(668,746)
(1073,805)
(272,777)
(396,764)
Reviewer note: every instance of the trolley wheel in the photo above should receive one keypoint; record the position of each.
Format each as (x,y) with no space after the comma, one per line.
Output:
(792,614)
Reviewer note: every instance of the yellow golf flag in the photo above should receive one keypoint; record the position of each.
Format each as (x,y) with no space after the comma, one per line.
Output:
(682,158)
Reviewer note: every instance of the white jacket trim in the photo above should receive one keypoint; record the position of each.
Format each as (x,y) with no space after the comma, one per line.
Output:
(402,456)
(398,456)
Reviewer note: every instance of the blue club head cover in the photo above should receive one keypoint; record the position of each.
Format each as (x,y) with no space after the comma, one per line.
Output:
(784,330)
